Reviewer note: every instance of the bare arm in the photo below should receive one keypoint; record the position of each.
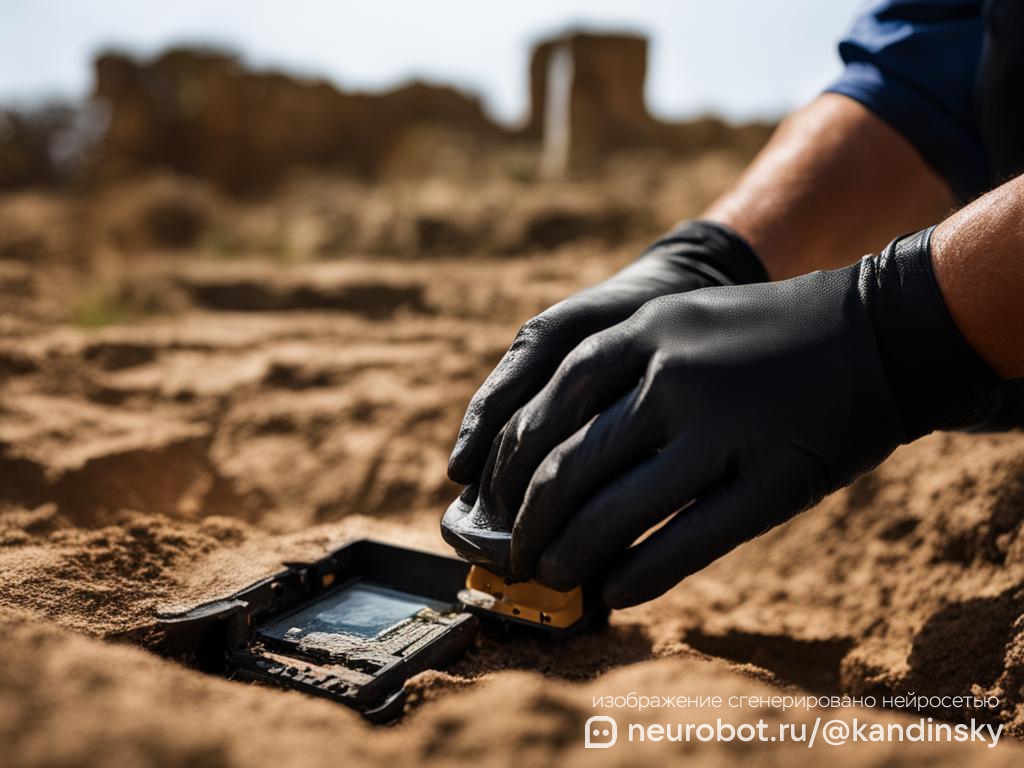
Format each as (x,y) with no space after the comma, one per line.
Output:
(835,182)
(978,257)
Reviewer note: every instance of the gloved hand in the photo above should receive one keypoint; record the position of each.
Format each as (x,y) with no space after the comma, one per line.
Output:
(697,254)
(752,402)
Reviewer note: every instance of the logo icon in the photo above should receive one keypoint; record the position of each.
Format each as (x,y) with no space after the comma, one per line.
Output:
(600,732)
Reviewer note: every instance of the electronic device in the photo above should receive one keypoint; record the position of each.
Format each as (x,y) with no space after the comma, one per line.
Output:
(355,625)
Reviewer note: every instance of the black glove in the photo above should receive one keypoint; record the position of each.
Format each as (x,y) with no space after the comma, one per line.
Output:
(753,402)
(696,254)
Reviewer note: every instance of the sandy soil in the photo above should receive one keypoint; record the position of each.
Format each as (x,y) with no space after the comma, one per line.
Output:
(177,418)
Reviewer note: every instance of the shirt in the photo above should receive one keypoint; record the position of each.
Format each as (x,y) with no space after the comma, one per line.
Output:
(949,76)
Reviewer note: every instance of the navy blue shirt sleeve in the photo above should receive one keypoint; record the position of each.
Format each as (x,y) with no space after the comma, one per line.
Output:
(915,63)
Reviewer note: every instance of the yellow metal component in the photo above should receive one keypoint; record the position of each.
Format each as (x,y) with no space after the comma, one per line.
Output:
(528,600)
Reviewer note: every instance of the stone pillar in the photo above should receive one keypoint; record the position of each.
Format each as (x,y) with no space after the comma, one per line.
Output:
(587,99)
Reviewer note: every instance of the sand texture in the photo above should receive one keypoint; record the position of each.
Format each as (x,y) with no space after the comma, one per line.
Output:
(178,419)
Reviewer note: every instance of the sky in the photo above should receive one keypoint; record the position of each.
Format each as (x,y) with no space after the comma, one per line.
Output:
(741,59)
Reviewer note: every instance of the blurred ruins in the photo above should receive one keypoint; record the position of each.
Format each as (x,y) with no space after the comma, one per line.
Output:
(201,113)
(182,177)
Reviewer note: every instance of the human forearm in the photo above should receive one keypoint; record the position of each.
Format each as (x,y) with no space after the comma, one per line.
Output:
(978,257)
(835,182)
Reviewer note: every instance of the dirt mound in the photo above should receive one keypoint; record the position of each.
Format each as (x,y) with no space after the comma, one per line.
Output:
(148,464)
(910,580)
(177,422)
(215,722)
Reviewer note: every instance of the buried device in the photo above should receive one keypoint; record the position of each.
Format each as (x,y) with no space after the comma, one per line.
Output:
(352,626)
(356,624)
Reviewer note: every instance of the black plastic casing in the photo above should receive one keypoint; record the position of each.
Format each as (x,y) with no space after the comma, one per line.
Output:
(224,636)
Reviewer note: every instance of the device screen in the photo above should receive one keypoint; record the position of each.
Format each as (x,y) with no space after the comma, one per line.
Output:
(363,609)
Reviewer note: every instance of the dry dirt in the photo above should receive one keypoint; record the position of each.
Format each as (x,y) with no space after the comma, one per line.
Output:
(184,405)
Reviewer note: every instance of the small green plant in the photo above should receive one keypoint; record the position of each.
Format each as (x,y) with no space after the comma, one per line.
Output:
(101,308)
(221,246)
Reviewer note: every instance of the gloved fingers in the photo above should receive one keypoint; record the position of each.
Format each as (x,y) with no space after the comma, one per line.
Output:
(517,376)
(475,529)
(713,525)
(539,347)
(618,438)
(626,508)
(595,374)
(489,515)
